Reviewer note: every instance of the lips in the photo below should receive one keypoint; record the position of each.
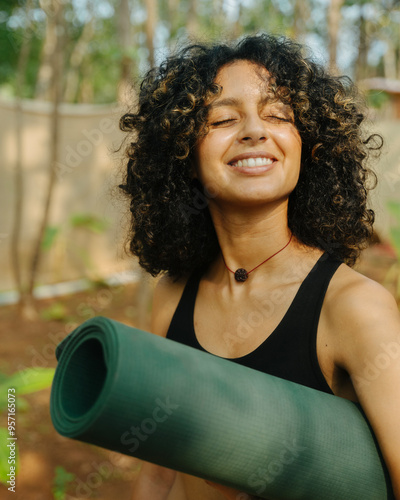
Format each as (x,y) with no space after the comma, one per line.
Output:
(251,160)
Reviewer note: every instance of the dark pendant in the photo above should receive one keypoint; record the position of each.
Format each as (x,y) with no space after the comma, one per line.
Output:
(241,275)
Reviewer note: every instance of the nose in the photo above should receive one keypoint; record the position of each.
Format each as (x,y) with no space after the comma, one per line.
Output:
(254,130)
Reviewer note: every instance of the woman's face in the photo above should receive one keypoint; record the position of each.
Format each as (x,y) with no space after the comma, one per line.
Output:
(252,150)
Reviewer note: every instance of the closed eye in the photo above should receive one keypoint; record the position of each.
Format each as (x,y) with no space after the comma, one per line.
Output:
(275,118)
(223,122)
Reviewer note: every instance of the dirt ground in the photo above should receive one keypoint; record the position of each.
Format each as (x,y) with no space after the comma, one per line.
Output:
(99,474)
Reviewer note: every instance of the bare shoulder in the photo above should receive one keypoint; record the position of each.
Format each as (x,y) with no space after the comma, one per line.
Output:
(364,329)
(353,293)
(167,294)
(359,311)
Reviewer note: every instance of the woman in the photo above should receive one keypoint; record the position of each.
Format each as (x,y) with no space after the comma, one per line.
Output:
(248,185)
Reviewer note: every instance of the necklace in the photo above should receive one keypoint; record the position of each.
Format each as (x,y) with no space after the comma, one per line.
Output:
(241,274)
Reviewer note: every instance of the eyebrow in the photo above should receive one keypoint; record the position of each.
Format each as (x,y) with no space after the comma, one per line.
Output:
(228,101)
(233,101)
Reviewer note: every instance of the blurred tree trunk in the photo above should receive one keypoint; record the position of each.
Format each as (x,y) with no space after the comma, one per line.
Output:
(125,42)
(333,31)
(389,60)
(173,17)
(151,22)
(361,69)
(192,23)
(86,91)
(19,187)
(55,20)
(301,15)
(43,82)
(238,27)
(76,59)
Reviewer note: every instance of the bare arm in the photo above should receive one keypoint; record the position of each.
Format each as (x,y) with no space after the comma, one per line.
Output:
(232,494)
(366,321)
(155,482)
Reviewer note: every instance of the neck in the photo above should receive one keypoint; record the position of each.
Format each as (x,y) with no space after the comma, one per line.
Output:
(248,237)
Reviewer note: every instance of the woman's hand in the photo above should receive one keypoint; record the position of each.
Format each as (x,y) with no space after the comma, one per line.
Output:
(154,482)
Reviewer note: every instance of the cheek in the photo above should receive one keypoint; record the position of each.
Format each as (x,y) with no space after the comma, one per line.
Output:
(290,144)
(205,153)
(202,165)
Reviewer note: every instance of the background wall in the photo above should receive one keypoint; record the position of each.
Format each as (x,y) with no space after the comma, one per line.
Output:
(87,175)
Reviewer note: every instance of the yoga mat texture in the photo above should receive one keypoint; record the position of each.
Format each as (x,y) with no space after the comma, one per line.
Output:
(136,393)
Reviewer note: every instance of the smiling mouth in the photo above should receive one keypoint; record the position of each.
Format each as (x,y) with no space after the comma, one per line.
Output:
(252,162)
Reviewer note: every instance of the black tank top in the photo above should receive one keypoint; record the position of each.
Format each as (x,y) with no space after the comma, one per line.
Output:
(290,350)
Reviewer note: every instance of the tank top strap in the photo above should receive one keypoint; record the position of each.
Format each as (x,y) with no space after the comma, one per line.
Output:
(308,301)
(299,327)
(181,327)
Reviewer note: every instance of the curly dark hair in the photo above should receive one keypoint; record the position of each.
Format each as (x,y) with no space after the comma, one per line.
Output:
(171,227)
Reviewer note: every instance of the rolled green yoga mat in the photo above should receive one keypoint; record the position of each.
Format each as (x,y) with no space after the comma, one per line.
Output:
(153,398)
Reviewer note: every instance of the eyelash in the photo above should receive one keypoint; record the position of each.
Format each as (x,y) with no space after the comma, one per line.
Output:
(280,118)
(221,122)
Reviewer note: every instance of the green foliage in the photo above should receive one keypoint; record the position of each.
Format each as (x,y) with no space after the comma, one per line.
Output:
(15,28)
(4,454)
(76,222)
(55,312)
(90,222)
(62,479)
(24,382)
(393,275)
(395,236)
(100,68)
(8,42)
(50,235)
(377,99)
(84,221)
(394,210)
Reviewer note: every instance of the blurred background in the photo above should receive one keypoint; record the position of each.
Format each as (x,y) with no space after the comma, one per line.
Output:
(68,70)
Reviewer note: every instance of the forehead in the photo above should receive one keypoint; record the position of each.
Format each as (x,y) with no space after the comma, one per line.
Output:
(243,78)
(244,68)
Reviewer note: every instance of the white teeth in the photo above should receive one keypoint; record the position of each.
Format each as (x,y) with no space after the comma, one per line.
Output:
(253,162)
